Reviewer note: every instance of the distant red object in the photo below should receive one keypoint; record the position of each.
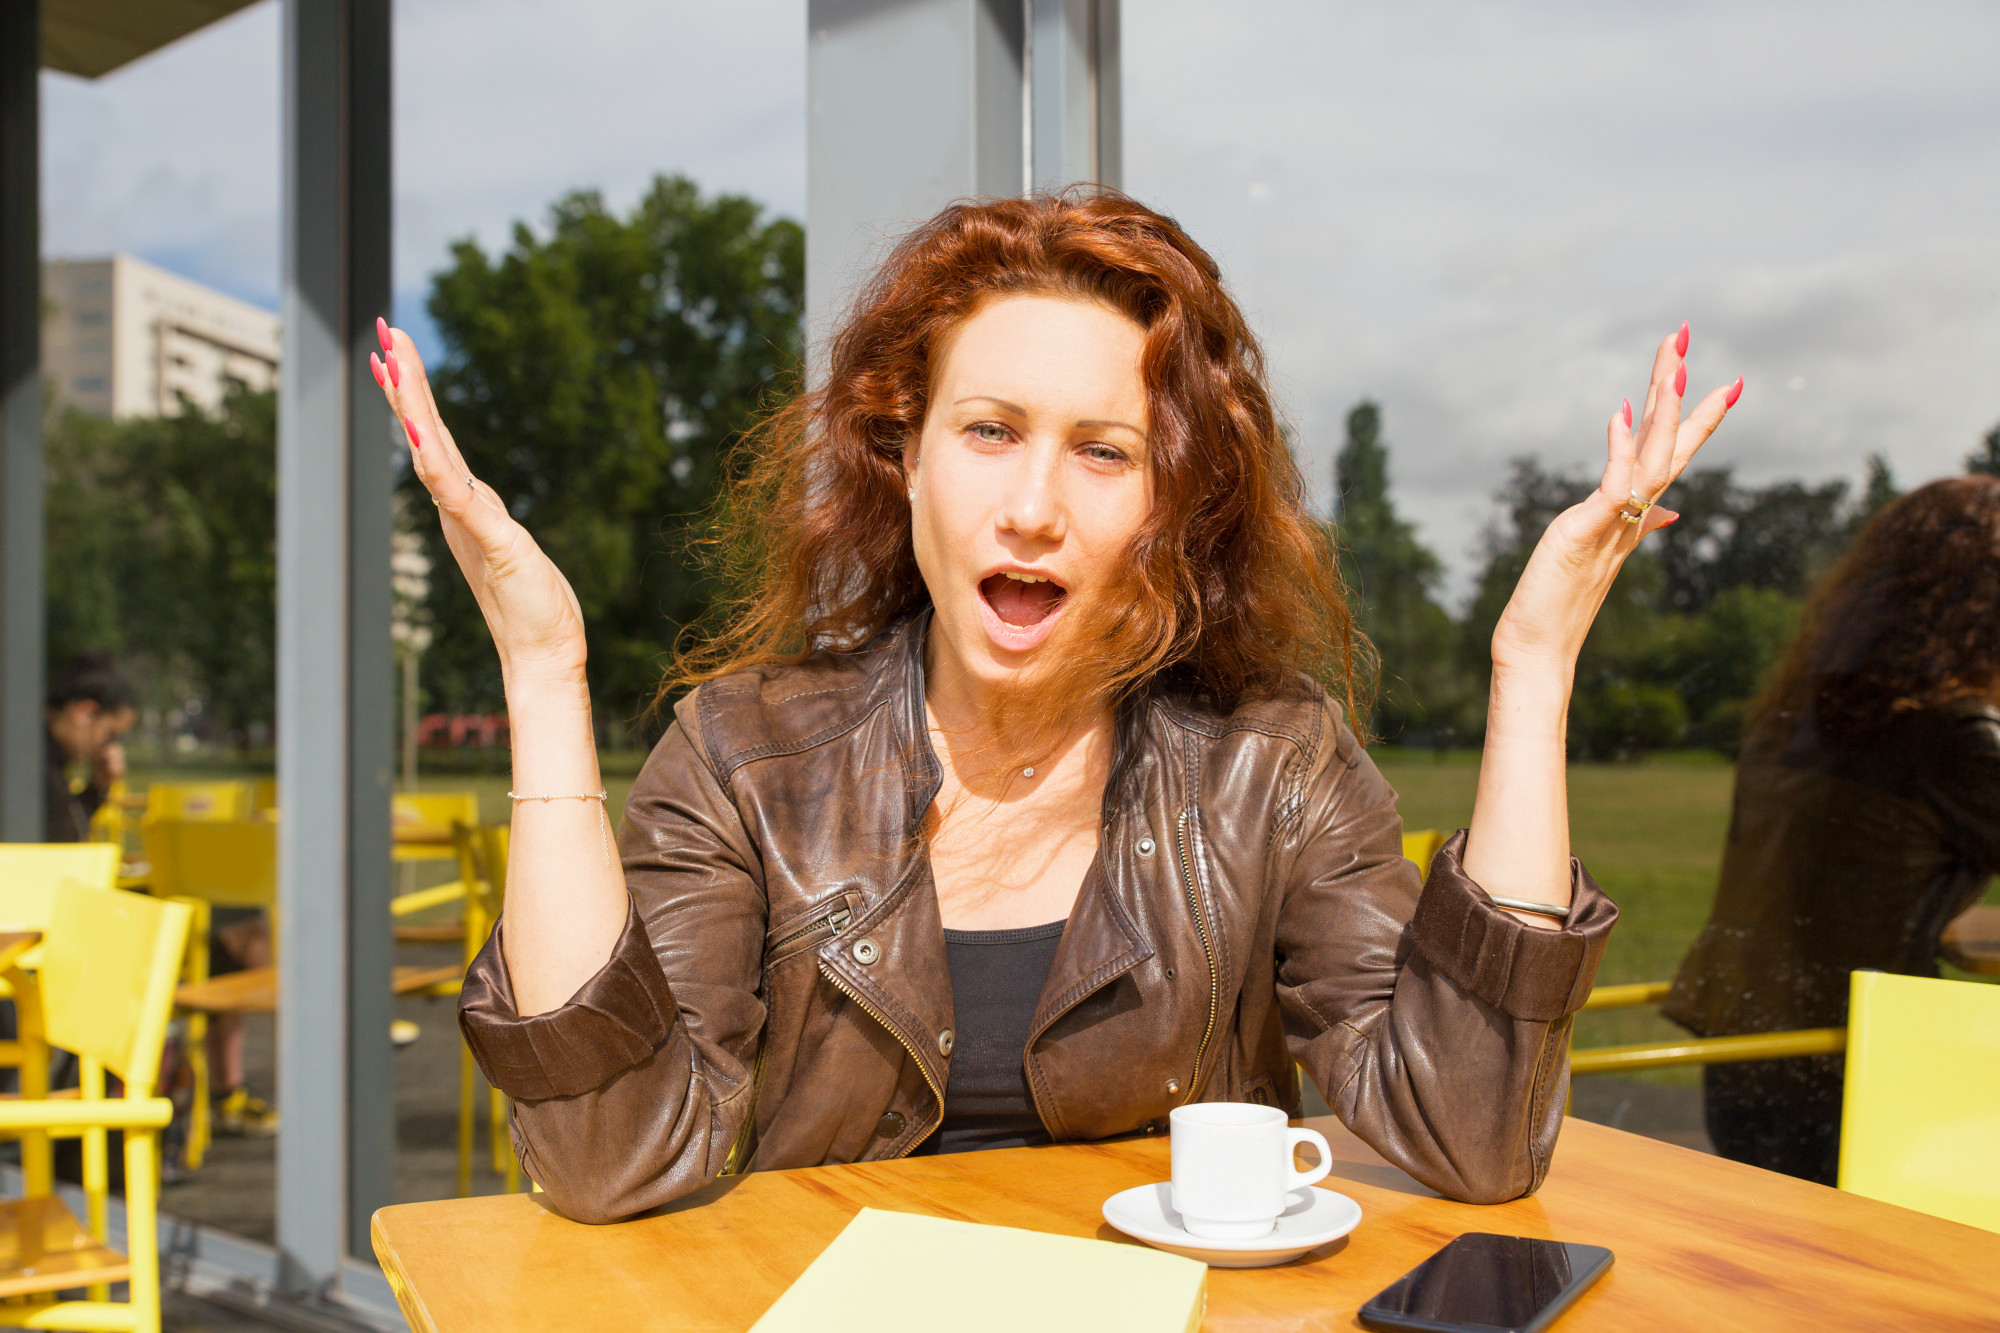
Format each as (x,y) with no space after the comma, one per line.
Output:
(449,731)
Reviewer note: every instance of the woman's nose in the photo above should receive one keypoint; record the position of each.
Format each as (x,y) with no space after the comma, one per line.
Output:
(1033,506)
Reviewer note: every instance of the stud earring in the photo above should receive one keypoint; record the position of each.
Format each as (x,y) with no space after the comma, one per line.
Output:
(913,495)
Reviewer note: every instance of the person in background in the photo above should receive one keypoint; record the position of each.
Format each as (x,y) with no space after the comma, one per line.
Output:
(89,708)
(1866,814)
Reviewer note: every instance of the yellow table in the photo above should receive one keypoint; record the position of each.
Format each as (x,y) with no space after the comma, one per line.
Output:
(1700,1242)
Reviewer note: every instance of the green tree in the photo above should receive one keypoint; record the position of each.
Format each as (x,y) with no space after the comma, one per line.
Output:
(162,551)
(594,377)
(1987,459)
(1393,579)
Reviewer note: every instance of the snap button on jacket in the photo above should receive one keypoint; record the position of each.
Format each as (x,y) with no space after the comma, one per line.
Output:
(1249,911)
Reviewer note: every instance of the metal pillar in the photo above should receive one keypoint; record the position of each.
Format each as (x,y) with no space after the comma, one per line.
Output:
(336,1079)
(22,644)
(910,105)
(914,103)
(1074,93)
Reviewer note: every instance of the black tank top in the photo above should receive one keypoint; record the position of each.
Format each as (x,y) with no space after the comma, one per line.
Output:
(996,980)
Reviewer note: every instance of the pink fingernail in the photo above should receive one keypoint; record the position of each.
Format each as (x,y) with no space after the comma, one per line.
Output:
(1680,378)
(1670,522)
(1735,392)
(1628,413)
(382,332)
(396,372)
(1681,340)
(411,426)
(375,364)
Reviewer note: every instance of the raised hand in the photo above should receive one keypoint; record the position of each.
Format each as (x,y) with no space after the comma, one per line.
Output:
(1574,563)
(533,614)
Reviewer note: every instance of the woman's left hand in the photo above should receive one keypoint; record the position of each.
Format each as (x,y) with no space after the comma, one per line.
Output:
(1578,557)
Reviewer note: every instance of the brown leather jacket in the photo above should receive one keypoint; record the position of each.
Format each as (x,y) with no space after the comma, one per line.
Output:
(780,997)
(1844,855)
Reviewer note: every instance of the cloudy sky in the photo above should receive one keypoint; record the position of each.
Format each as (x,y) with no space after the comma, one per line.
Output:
(1482,215)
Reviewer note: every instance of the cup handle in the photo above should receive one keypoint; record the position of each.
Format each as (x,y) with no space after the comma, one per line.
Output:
(1294,1137)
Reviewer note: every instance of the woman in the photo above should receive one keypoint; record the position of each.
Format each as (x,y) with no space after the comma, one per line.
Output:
(1867,813)
(1007,810)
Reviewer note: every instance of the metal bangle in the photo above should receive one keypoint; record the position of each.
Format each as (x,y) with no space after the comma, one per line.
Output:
(1523,905)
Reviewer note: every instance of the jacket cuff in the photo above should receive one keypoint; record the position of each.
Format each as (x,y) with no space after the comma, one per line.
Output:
(614,1022)
(1536,975)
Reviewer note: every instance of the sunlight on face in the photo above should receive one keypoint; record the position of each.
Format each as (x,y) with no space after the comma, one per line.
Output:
(1031,476)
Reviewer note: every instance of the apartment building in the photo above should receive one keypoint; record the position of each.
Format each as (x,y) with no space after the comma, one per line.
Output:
(123,338)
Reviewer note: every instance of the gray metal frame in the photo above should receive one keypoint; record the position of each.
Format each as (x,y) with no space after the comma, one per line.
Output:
(23,617)
(336,1077)
(914,103)
(1074,93)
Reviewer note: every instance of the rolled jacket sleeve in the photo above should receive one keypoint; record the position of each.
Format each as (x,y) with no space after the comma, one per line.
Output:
(1537,975)
(613,1023)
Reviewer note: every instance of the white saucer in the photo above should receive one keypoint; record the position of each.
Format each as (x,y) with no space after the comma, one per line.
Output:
(1312,1217)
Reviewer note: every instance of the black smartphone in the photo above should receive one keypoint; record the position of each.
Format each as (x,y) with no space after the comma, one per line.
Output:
(1482,1283)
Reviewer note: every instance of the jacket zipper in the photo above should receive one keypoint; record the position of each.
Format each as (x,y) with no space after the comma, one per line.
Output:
(936,1092)
(1207,952)
(838,919)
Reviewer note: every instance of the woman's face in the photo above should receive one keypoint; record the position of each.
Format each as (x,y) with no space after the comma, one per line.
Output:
(1030,476)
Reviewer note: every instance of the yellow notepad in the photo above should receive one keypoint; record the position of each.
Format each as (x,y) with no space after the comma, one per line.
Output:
(889,1272)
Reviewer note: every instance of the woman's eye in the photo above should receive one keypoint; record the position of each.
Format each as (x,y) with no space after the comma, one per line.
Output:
(990,432)
(1104,453)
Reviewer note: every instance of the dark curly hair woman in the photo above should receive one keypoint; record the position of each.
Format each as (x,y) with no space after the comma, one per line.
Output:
(1867,813)
(1018,801)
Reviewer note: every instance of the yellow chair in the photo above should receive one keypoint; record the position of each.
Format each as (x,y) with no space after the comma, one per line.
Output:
(107,823)
(208,864)
(1420,847)
(421,822)
(231,863)
(107,985)
(482,863)
(197,800)
(1920,1122)
(29,874)
(263,797)
(425,830)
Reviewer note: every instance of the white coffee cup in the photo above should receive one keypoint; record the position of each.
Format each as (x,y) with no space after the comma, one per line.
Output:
(1233,1167)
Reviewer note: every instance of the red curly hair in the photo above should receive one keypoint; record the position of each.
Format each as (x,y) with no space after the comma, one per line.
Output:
(1233,586)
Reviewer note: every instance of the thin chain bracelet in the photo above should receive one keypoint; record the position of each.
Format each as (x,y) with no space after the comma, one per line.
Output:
(603,813)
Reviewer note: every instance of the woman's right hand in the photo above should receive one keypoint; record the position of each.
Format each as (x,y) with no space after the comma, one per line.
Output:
(536,623)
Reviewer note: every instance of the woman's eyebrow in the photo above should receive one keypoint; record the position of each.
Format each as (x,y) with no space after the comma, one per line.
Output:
(1020,411)
(1000,403)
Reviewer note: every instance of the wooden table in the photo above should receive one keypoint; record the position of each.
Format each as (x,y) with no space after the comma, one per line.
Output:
(254,990)
(1972,941)
(1701,1242)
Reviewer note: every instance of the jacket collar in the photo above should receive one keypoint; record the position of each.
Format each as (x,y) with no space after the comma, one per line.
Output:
(1100,942)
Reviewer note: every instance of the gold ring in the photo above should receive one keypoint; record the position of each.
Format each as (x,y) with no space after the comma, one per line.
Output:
(1634,509)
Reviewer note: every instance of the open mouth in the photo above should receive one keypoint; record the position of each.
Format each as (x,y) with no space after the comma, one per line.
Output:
(1022,601)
